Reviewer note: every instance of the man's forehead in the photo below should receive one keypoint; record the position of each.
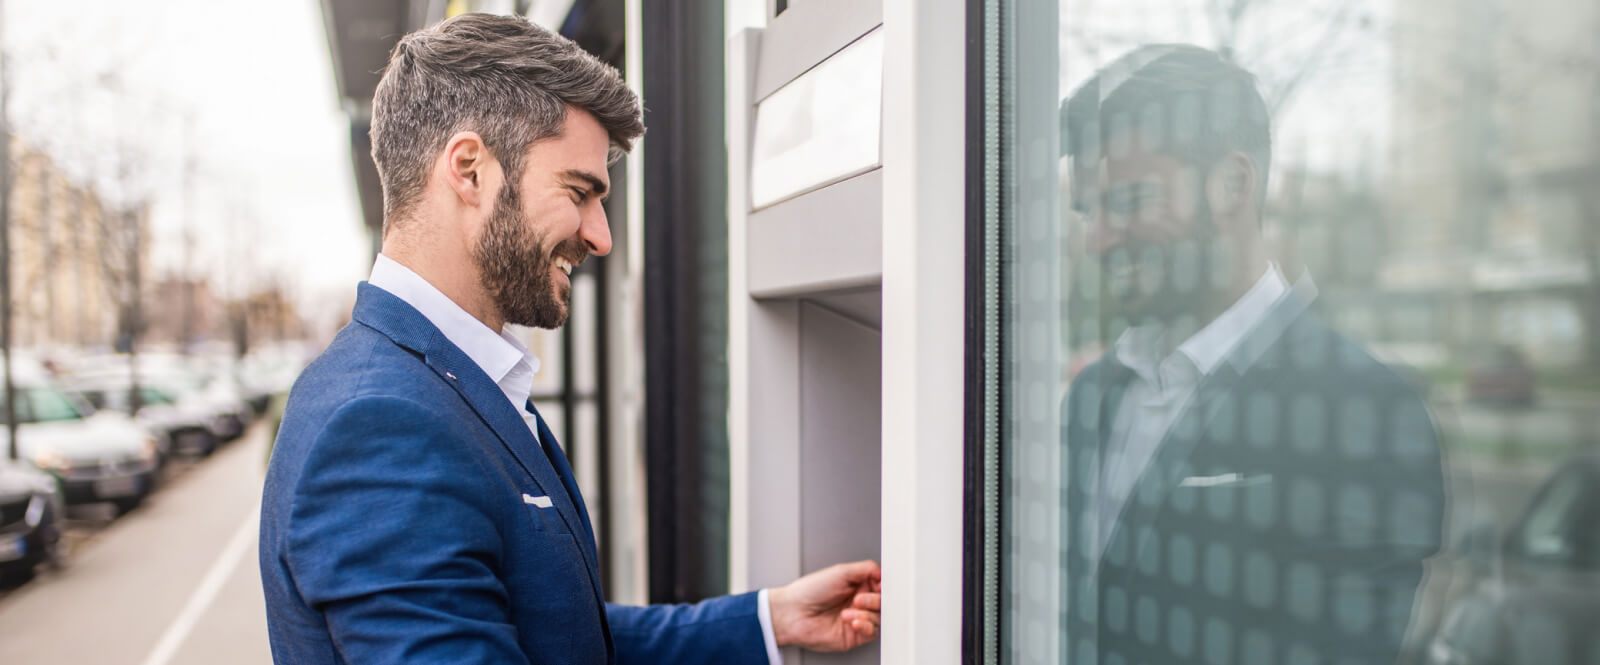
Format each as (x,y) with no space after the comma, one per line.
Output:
(582,147)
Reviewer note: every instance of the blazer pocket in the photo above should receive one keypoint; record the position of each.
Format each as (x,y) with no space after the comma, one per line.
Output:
(1230,499)
(546,519)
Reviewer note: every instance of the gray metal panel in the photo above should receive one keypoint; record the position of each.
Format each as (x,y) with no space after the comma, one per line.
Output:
(806,34)
(840,458)
(774,434)
(864,306)
(825,240)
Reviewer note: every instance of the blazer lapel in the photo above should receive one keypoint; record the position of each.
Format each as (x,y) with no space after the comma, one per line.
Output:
(1217,396)
(388,314)
(570,482)
(402,323)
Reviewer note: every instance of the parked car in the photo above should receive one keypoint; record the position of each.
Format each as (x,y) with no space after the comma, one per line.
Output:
(1502,375)
(30,519)
(232,412)
(96,456)
(1534,590)
(183,422)
(223,412)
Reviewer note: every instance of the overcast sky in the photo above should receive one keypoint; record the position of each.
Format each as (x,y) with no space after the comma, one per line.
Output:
(243,86)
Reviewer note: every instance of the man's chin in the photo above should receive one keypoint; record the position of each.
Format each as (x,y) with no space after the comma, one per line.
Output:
(1156,308)
(551,316)
(560,320)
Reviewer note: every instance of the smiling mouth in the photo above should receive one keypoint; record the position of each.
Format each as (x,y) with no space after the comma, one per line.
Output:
(566,265)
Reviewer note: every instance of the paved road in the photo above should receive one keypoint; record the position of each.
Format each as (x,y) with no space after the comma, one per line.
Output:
(172,583)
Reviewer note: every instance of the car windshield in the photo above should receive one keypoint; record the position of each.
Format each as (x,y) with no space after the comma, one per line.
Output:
(49,405)
(149,396)
(1561,528)
(116,399)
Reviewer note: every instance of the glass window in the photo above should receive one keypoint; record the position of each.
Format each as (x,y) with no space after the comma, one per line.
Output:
(1289,298)
(50,405)
(96,398)
(150,396)
(1563,526)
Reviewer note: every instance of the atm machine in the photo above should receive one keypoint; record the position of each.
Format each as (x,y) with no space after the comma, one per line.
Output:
(806,264)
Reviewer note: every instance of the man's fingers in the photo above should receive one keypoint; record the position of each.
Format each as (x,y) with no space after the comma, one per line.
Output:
(852,617)
(866,629)
(863,623)
(858,572)
(867,601)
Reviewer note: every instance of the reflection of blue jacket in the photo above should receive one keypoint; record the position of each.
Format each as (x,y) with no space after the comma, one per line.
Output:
(410,516)
(1285,517)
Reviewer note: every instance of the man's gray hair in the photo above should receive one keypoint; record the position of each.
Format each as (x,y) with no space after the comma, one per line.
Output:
(500,76)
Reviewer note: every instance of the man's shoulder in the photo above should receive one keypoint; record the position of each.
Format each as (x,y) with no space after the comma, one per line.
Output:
(364,376)
(362,362)
(1311,351)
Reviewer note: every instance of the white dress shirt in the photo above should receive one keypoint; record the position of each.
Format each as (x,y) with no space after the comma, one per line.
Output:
(1162,385)
(500,355)
(507,362)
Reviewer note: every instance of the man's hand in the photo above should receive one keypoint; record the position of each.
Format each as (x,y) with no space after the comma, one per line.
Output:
(833,609)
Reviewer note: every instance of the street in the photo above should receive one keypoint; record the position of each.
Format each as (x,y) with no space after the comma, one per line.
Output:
(174,582)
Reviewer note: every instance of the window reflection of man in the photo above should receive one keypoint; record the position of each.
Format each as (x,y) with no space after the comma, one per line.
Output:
(1243,483)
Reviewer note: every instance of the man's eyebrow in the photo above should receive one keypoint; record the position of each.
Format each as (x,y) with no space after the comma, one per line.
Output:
(596,185)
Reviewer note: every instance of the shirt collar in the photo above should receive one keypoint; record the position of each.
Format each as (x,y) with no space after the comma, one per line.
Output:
(1142,348)
(1212,344)
(495,353)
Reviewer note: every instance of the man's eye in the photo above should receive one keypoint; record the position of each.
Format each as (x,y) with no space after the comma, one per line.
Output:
(583,195)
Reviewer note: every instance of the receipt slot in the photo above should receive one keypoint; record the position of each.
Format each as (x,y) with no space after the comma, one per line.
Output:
(805,270)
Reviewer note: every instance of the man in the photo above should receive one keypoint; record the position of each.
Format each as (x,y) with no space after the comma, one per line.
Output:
(416,507)
(1244,484)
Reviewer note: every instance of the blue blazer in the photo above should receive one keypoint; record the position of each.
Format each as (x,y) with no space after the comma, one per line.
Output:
(1287,513)
(404,520)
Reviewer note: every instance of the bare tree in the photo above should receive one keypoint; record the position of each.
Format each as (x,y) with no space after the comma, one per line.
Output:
(10,411)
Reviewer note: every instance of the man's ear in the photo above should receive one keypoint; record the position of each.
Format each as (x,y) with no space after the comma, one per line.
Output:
(1231,186)
(466,167)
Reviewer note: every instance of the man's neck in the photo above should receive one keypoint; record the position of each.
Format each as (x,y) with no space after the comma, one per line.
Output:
(456,278)
(1249,270)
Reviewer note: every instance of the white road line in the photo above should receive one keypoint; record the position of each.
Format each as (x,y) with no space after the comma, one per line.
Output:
(201,599)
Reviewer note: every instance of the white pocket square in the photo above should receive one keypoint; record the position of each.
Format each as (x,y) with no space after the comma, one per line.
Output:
(540,501)
(1233,479)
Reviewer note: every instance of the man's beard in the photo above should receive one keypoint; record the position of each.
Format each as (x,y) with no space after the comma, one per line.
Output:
(1181,283)
(516,270)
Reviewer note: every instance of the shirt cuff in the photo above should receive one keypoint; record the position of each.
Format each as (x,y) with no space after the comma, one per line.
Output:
(764,613)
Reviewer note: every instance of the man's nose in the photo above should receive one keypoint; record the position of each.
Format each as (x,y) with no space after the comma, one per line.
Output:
(595,232)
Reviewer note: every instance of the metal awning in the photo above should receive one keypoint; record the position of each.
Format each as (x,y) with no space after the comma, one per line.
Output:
(361,34)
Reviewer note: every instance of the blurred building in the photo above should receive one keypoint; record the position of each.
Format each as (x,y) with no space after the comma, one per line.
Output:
(67,271)
(183,312)
(1495,154)
(270,315)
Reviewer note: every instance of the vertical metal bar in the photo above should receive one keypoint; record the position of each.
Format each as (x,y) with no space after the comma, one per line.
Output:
(569,394)
(924,227)
(981,607)
(602,397)
(667,404)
